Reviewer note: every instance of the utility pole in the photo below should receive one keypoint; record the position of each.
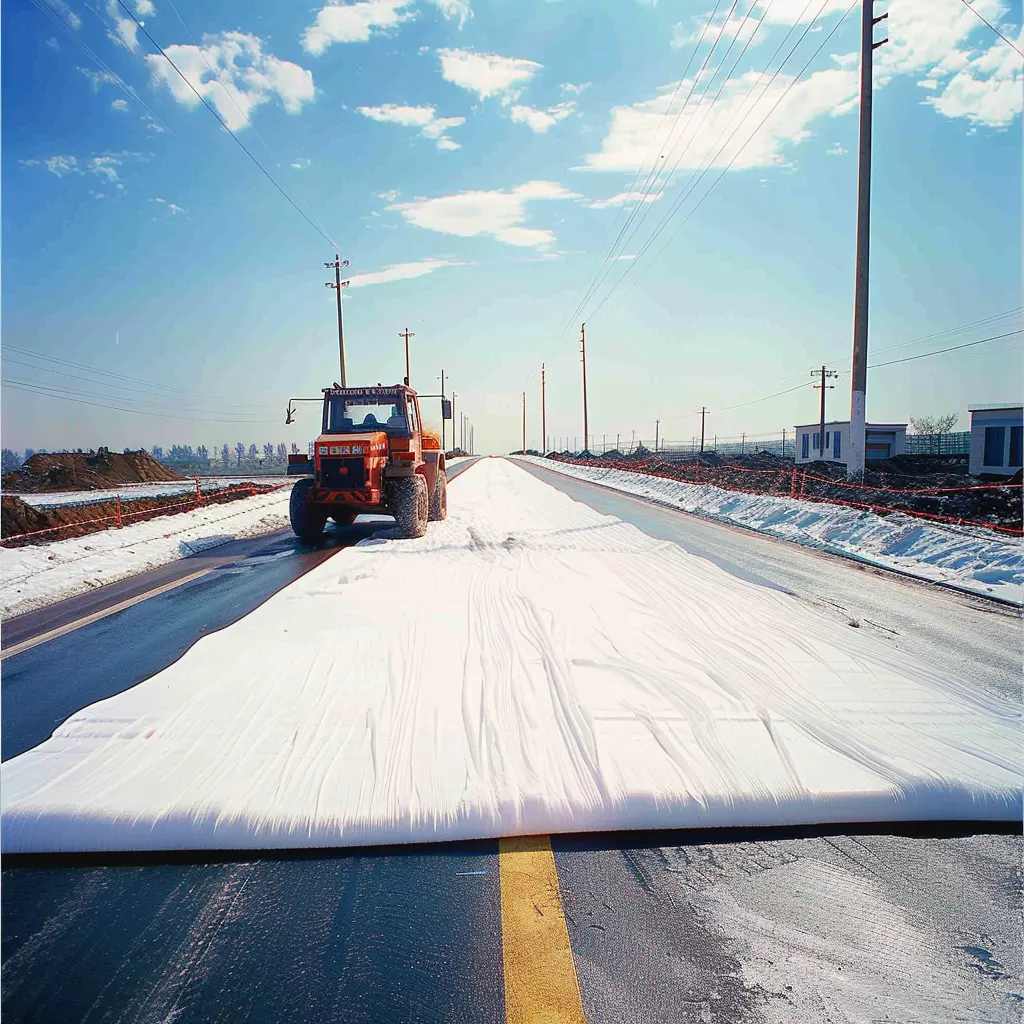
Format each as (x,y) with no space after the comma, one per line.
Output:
(524,423)
(442,411)
(337,284)
(743,443)
(407,334)
(783,442)
(543,411)
(823,387)
(583,343)
(617,448)
(703,413)
(858,392)
(657,425)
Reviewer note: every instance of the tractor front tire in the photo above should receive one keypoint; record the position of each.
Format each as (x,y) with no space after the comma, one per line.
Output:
(410,506)
(439,499)
(307,521)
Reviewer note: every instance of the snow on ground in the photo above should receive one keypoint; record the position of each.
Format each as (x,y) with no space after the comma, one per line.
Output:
(41,574)
(55,499)
(969,558)
(529,666)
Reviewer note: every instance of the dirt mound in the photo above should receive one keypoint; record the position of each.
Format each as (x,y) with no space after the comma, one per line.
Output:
(84,471)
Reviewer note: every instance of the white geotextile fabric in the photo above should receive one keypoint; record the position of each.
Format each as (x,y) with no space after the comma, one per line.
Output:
(529,666)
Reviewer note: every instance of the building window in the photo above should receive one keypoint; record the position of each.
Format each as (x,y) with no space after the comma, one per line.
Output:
(995,442)
(837,451)
(817,441)
(1015,446)
(804,445)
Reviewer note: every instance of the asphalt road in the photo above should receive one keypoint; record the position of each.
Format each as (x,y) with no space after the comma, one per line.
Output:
(846,925)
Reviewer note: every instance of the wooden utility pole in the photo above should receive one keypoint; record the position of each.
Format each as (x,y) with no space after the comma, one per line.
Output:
(823,388)
(583,343)
(337,284)
(703,413)
(858,387)
(524,424)
(407,334)
(543,412)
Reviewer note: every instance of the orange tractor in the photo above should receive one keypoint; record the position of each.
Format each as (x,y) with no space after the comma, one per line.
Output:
(372,456)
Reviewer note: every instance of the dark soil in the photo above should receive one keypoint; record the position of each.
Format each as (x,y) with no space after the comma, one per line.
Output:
(17,517)
(991,502)
(84,471)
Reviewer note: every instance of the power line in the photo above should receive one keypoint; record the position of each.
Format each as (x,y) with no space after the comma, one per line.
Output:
(994,29)
(273,181)
(939,352)
(676,206)
(60,396)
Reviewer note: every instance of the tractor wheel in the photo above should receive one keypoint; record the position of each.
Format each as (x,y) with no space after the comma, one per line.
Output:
(439,499)
(307,522)
(409,505)
(345,518)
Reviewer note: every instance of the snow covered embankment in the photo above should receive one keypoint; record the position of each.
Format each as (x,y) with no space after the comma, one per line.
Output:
(38,575)
(968,558)
(529,666)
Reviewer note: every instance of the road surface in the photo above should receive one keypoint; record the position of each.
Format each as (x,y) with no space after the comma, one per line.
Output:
(662,927)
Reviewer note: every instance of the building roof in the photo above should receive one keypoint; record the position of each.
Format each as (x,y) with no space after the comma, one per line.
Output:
(1008,407)
(846,423)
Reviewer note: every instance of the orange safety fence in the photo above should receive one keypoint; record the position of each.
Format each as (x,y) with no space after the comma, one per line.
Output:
(119,516)
(709,472)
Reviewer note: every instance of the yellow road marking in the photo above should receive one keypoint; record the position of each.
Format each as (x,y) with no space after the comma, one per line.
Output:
(42,638)
(540,976)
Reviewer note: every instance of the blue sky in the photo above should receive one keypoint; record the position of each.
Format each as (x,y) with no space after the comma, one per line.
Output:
(475,162)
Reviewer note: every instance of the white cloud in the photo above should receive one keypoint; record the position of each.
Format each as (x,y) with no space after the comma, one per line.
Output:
(246,77)
(623,198)
(126,31)
(98,78)
(837,149)
(390,196)
(354,22)
(105,166)
(300,163)
(542,120)
(499,213)
(144,8)
(424,118)
(59,165)
(66,13)
(568,89)
(983,86)
(626,256)
(487,74)
(741,29)
(402,272)
(119,105)
(452,9)
(173,208)
(637,131)
(52,43)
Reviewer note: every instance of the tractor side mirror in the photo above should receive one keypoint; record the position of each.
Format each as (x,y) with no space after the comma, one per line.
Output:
(446,409)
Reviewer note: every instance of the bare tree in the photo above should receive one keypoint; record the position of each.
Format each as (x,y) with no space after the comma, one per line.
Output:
(240,452)
(933,424)
(225,456)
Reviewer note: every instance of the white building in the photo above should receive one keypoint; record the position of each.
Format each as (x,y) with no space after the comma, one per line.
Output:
(996,439)
(882,441)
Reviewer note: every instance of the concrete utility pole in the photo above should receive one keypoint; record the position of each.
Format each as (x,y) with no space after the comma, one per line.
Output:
(442,411)
(703,413)
(823,387)
(524,423)
(407,334)
(657,425)
(543,411)
(855,463)
(337,284)
(783,442)
(455,442)
(583,343)
(743,443)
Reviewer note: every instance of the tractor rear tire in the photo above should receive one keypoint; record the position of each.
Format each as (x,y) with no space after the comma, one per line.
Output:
(439,499)
(410,506)
(307,522)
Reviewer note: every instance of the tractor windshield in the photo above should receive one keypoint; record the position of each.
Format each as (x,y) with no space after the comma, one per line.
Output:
(364,412)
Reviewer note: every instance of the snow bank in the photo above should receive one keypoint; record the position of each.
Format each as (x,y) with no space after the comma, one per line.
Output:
(968,558)
(41,574)
(55,499)
(529,666)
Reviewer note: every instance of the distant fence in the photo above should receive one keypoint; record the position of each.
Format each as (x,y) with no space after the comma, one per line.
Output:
(939,444)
